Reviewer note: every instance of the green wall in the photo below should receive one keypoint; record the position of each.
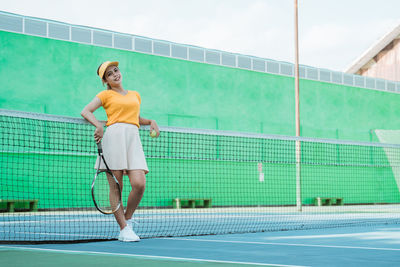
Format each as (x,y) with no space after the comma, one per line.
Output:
(58,77)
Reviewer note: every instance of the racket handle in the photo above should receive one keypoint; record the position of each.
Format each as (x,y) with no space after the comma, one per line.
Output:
(99,147)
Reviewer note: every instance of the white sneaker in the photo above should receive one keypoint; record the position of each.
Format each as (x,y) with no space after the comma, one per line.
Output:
(128,235)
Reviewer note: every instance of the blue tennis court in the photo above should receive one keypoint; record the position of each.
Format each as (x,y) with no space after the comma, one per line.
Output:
(350,246)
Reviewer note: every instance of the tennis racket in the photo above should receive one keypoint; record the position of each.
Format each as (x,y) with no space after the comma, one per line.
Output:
(106,191)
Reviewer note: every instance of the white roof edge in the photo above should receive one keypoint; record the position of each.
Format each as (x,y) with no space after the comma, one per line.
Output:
(373,50)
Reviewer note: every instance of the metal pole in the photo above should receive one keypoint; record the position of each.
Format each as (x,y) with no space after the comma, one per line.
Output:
(297,107)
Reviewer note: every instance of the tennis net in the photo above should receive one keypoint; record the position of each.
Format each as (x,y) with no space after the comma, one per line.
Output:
(200,182)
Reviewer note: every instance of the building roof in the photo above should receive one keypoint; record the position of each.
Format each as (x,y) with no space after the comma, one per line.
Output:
(367,57)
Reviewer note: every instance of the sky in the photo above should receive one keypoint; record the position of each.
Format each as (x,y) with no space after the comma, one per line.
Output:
(332,33)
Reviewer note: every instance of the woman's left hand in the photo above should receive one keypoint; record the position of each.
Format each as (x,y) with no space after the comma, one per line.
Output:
(154,126)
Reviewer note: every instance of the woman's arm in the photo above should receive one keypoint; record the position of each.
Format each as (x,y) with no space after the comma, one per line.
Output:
(152,123)
(87,113)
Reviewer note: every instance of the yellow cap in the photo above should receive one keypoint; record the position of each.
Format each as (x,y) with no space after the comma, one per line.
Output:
(104,66)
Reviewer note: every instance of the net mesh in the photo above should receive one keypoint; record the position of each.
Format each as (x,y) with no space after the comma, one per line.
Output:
(200,182)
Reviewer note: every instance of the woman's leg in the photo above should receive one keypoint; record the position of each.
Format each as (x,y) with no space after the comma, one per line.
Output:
(119,214)
(137,179)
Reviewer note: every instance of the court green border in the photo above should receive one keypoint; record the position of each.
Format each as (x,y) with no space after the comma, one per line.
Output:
(17,256)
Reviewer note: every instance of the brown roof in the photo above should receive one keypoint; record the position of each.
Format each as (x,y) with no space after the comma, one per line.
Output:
(365,59)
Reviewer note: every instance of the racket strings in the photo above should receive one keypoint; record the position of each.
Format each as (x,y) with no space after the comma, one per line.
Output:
(106,193)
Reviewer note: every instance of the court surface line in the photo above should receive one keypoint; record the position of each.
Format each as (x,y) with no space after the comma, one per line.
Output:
(149,256)
(281,244)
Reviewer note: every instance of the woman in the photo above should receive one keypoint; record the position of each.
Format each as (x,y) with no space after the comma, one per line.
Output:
(122,148)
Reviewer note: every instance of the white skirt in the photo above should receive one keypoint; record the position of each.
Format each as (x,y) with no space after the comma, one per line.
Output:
(122,148)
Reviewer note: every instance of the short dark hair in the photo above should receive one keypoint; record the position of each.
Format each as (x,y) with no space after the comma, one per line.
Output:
(98,72)
(102,78)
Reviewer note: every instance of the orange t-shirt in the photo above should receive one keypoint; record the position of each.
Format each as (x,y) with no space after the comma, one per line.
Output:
(121,108)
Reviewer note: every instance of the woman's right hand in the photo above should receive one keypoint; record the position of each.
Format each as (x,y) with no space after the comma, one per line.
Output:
(98,134)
